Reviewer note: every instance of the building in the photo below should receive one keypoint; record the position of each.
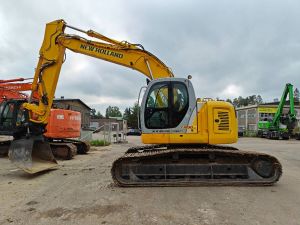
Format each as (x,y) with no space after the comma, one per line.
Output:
(97,123)
(249,116)
(75,105)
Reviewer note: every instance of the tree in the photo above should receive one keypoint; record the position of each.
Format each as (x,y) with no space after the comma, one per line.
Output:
(259,99)
(96,115)
(235,102)
(229,100)
(131,115)
(127,113)
(113,111)
(99,115)
(93,112)
(250,100)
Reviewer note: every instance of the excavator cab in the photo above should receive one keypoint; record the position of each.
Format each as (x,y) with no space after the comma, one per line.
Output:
(166,108)
(28,150)
(171,114)
(10,116)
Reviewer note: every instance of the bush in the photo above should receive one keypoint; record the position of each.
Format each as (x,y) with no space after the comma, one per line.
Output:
(250,133)
(99,143)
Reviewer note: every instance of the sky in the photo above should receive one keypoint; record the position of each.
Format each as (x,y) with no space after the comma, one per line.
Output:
(231,48)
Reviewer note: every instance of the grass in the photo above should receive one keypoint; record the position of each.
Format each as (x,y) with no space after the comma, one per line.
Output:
(249,133)
(99,143)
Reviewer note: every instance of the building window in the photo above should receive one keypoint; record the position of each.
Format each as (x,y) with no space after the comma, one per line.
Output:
(266,116)
(166,105)
(252,127)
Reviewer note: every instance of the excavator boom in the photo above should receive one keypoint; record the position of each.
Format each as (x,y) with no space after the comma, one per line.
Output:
(52,55)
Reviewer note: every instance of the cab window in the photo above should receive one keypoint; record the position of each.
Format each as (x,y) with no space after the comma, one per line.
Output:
(7,115)
(156,111)
(166,105)
(179,103)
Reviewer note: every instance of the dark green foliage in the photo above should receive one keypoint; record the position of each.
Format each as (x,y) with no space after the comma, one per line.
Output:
(113,111)
(99,143)
(250,100)
(131,115)
(96,115)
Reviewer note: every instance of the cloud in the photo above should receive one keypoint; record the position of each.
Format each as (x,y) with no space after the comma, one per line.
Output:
(229,47)
(231,91)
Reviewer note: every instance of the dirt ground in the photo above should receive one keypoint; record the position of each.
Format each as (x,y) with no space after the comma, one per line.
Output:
(81,191)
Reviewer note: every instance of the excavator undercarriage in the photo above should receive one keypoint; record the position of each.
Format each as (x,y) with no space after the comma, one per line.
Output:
(68,148)
(61,148)
(194,165)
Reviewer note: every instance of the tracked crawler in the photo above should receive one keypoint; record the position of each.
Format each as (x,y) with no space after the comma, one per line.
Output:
(195,165)
(61,148)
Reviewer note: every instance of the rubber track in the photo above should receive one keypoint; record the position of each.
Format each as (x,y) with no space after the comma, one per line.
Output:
(141,152)
(65,151)
(82,146)
(4,146)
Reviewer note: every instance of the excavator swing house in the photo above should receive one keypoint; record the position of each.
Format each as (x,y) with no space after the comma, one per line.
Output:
(62,128)
(183,133)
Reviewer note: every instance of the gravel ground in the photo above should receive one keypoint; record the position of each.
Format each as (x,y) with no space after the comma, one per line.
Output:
(81,191)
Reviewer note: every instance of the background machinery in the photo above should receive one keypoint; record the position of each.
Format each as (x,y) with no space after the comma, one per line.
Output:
(182,129)
(11,90)
(63,124)
(281,126)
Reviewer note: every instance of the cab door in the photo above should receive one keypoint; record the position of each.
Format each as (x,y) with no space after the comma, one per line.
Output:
(167,109)
(12,117)
(156,116)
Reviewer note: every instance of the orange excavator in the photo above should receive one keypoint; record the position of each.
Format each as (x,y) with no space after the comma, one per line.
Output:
(11,90)
(63,124)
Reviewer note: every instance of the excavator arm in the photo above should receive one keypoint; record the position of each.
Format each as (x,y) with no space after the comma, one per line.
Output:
(288,90)
(52,55)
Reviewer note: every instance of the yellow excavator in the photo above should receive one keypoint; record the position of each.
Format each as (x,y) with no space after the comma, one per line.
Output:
(181,130)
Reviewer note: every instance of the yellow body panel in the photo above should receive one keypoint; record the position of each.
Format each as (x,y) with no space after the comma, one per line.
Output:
(216,124)
(173,138)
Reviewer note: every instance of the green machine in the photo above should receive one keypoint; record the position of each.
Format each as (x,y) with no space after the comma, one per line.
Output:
(281,126)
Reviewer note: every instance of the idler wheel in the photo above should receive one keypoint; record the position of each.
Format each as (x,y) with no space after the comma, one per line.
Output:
(263,167)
